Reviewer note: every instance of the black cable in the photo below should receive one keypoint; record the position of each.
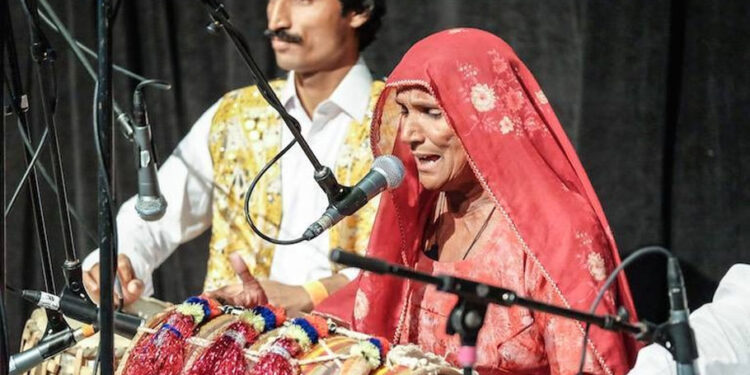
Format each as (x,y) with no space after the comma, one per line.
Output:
(249,193)
(54,22)
(96,364)
(45,55)
(161,85)
(19,101)
(46,177)
(610,279)
(115,10)
(122,117)
(43,171)
(27,172)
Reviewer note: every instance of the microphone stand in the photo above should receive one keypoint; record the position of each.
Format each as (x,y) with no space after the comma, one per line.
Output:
(323,175)
(44,55)
(4,352)
(103,138)
(19,103)
(467,316)
(681,338)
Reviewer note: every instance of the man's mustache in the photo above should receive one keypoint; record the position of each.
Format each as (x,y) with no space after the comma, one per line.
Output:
(282,35)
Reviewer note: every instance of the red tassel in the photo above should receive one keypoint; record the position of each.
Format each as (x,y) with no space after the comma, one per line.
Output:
(277,361)
(164,352)
(226,354)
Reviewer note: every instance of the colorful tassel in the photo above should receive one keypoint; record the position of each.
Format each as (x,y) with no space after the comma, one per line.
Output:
(298,337)
(163,352)
(226,354)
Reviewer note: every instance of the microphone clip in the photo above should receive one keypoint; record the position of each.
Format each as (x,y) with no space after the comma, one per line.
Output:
(333,190)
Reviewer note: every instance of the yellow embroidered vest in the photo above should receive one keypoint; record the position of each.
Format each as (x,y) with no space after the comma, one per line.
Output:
(245,134)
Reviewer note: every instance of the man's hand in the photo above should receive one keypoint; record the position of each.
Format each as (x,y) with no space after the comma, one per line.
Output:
(253,292)
(248,294)
(290,297)
(132,288)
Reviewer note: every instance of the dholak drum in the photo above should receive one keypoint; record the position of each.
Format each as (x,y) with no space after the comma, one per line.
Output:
(79,359)
(328,357)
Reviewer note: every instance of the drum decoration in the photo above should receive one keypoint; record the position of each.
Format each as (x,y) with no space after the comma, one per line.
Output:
(260,342)
(163,352)
(366,356)
(297,338)
(226,355)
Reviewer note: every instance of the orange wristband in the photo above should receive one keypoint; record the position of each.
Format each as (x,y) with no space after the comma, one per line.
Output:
(317,291)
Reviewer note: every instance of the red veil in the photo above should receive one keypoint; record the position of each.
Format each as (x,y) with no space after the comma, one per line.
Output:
(522,157)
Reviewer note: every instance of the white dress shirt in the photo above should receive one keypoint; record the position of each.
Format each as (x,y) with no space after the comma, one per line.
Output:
(186,181)
(722,332)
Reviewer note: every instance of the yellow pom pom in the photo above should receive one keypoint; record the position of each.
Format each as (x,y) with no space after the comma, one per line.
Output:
(369,351)
(296,332)
(193,309)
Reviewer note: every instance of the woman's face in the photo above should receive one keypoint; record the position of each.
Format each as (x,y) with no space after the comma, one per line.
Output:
(436,149)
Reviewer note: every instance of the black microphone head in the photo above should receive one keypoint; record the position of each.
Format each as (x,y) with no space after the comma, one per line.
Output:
(391,168)
(150,208)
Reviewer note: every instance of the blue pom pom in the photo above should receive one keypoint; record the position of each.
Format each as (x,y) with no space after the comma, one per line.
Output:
(202,302)
(268,316)
(377,344)
(308,328)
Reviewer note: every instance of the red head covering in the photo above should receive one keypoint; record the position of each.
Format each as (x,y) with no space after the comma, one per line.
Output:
(521,156)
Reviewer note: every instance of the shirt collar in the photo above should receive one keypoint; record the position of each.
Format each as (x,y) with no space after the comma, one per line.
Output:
(352,95)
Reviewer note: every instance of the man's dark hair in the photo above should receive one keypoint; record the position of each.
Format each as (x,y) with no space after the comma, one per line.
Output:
(366,32)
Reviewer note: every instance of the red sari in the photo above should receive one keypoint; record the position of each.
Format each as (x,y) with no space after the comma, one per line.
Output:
(553,242)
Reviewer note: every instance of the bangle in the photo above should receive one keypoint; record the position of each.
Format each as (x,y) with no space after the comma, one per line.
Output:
(316,290)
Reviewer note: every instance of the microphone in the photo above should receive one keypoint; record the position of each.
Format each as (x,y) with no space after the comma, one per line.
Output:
(387,173)
(53,344)
(682,337)
(78,309)
(357,261)
(150,204)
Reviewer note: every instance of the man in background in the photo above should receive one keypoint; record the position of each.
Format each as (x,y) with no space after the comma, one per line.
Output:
(331,92)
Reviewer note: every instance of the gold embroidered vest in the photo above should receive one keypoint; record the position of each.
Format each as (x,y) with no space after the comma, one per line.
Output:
(246,133)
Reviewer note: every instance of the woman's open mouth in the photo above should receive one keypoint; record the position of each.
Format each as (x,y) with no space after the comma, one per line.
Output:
(426,161)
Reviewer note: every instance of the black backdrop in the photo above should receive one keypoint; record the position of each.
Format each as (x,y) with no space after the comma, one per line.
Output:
(653,94)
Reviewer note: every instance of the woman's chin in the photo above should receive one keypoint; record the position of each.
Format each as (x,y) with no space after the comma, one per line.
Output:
(430,183)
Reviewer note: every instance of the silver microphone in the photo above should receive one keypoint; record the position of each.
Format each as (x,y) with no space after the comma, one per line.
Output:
(387,173)
(150,204)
